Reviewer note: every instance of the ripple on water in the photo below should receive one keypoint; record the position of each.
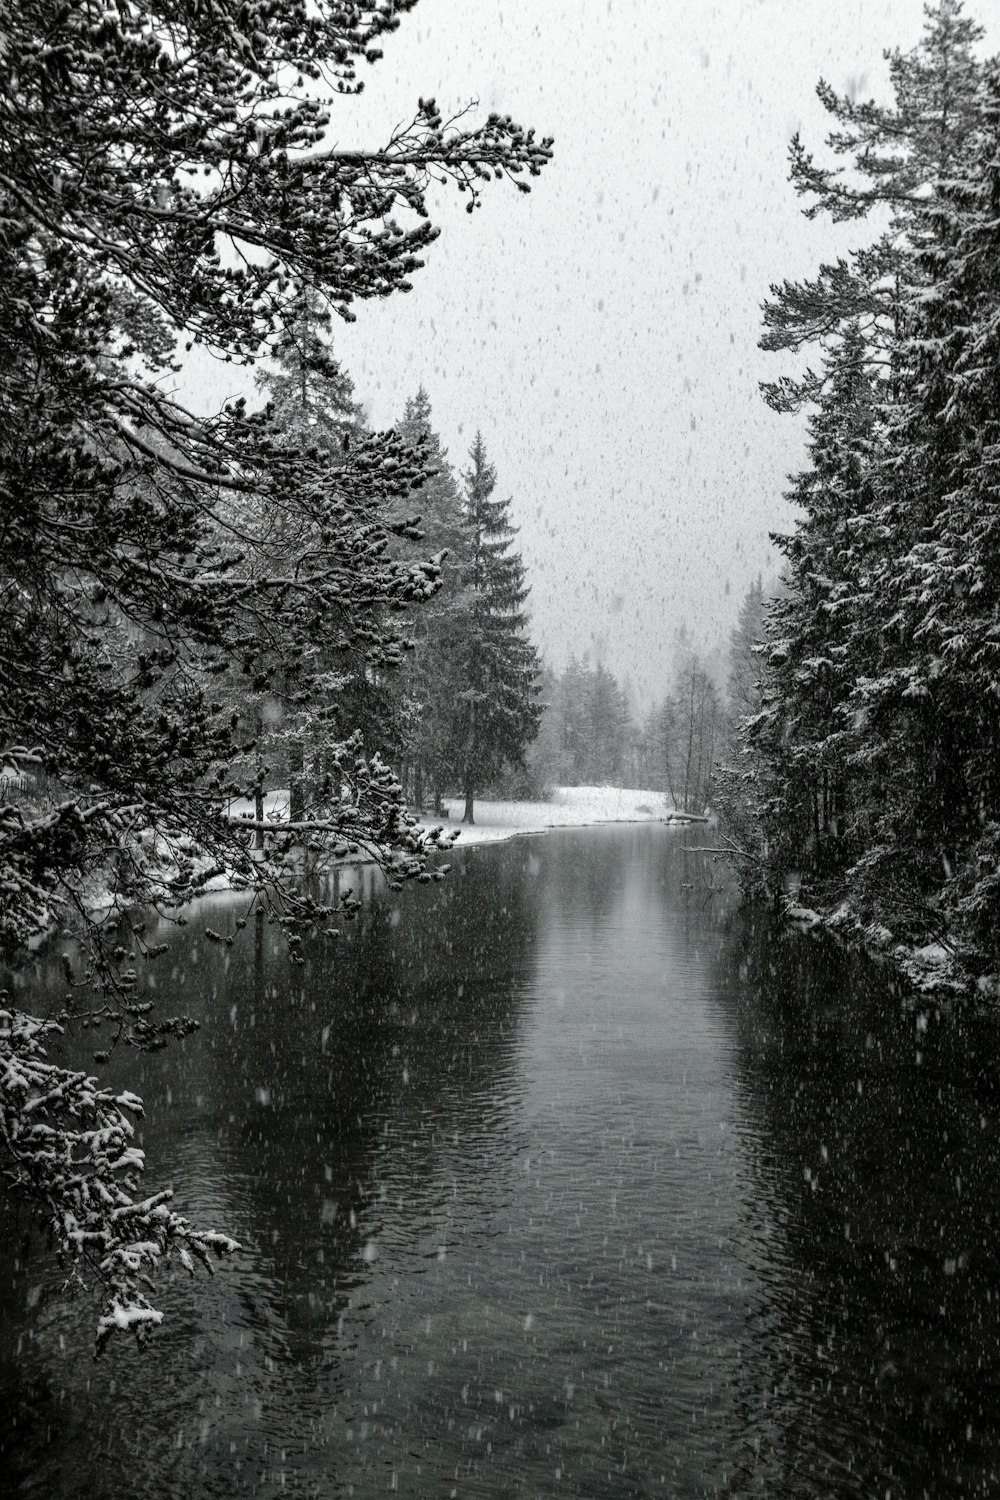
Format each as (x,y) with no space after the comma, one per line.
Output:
(564,1179)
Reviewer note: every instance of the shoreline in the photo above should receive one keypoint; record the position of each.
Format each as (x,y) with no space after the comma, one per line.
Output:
(498,821)
(932,970)
(568,807)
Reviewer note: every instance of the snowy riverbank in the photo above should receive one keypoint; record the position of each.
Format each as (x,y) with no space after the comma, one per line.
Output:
(569,807)
(932,969)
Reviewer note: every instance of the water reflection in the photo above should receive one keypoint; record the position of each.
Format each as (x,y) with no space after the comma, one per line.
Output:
(565,1176)
(316,1114)
(870,1125)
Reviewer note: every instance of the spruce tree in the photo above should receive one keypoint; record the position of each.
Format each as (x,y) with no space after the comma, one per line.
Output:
(803,728)
(934,709)
(438,499)
(888,159)
(545,756)
(309,394)
(430,680)
(859,757)
(608,729)
(574,708)
(311,406)
(744,681)
(498,667)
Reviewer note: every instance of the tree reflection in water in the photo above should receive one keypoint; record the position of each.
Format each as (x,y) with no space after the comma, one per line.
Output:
(566,1176)
(869,1126)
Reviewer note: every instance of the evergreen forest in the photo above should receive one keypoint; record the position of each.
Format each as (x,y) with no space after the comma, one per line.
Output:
(245,647)
(868,756)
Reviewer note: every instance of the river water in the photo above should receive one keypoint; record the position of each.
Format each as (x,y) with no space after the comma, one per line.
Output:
(566,1176)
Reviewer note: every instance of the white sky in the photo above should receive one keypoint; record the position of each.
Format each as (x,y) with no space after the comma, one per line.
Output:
(602,331)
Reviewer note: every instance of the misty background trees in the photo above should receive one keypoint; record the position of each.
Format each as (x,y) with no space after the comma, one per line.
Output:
(594,731)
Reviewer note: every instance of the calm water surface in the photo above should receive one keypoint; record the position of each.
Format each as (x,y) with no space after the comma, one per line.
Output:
(564,1177)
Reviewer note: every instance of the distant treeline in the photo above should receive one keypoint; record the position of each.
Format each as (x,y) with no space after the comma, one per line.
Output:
(455,709)
(592,734)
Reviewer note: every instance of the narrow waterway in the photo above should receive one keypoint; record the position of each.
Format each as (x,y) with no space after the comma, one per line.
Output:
(563,1177)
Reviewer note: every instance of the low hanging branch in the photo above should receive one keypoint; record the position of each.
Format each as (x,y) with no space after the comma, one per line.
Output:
(729,849)
(69,1152)
(172,586)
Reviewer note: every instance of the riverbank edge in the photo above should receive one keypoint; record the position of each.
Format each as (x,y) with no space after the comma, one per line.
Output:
(933,970)
(682,820)
(100,903)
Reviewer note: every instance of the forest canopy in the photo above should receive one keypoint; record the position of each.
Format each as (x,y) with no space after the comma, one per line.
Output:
(869,762)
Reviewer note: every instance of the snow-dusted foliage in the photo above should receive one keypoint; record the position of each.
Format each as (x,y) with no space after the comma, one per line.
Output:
(876,748)
(175,590)
(68,1149)
(495,712)
(425,691)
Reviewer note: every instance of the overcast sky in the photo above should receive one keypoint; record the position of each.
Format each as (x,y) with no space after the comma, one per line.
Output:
(602,331)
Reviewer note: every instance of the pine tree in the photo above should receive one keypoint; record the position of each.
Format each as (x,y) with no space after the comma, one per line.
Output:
(310,406)
(803,727)
(545,757)
(608,729)
(438,498)
(498,667)
(895,154)
(153,197)
(431,678)
(309,393)
(746,669)
(858,758)
(751,765)
(587,735)
(574,713)
(933,710)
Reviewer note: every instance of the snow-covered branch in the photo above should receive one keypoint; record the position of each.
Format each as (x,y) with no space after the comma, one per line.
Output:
(69,1153)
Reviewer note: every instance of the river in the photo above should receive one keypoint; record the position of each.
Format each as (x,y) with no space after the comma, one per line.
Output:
(567,1176)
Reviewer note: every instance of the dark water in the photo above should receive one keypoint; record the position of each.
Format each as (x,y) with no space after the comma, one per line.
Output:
(564,1177)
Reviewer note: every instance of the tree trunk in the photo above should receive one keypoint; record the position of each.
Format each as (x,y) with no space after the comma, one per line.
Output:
(470,750)
(668,747)
(258,811)
(296,778)
(698,777)
(690,748)
(710,763)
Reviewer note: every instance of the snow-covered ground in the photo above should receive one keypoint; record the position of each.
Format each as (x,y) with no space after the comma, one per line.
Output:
(570,807)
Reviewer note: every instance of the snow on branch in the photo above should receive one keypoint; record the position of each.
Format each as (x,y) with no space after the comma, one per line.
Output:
(68,1152)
